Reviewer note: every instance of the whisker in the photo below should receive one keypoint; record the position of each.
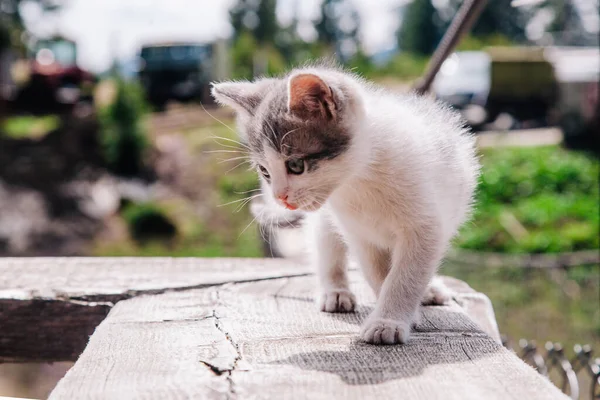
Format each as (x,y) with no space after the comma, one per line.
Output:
(274,135)
(244,203)
(224,160)
(217,119)
(248,191)
(225,151)
(271,236)
(247,226)
(238,200)
(284,136)
(215,138)
(239,165)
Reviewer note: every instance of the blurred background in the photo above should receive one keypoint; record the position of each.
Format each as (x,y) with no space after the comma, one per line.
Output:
(107,130)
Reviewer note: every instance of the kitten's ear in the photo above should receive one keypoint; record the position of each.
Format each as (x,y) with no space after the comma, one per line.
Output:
(242,96)
(310,97)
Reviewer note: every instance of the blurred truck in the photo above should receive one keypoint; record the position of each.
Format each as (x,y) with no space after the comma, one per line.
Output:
(179,71)
(53,82)
(578,73)
(500,88)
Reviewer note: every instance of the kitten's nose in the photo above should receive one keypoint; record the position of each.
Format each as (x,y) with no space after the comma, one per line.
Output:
(283,198)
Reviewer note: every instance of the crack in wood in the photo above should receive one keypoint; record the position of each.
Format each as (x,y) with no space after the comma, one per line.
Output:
(114,298)
(216,370)
(238,356)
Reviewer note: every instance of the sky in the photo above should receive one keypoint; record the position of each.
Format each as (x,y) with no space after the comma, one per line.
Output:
(109,29)
(105,29)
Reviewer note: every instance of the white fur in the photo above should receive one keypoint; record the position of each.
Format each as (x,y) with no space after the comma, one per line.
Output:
(393,201)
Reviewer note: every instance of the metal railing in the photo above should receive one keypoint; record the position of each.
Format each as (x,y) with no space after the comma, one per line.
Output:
(578,377)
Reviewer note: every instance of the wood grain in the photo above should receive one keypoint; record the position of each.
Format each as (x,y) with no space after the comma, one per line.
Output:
(266,340)
(50,306)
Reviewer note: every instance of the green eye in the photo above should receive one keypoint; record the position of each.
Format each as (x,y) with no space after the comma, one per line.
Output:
(295,166)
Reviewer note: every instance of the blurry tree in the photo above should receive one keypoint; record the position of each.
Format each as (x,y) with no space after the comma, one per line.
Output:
(11,20)
(123,136)
(420,30)
(338,27)
(500,17)
(258,19)
(267,26)
(423,25)
(567,28)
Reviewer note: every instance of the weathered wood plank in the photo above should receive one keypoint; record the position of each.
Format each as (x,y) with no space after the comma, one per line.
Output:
(50,306)
(266,340)
(113,279)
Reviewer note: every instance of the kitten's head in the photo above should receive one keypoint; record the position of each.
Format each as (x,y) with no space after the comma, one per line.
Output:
(302,132)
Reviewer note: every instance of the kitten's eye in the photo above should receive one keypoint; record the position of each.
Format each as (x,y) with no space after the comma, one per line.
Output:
(295,166)
(264,171)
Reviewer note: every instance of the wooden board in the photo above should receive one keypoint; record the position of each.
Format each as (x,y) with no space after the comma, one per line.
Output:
(50,306)
(113,279)
(266,340)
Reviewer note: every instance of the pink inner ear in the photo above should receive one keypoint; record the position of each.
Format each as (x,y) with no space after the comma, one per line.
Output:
(311,97)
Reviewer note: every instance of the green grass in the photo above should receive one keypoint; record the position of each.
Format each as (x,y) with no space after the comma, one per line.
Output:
(535,200)
(21,127)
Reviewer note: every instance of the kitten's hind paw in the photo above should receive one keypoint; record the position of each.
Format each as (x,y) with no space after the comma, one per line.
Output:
(337,301)
(437,293)
(385,331)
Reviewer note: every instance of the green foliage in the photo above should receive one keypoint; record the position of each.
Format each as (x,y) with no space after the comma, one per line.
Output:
(499,17)
(148,221)
(267,27)
(123,135)
(243,52)
(242,56)
(18,127)
(256,18)
(404,66)
(473,43)
(552,192)
(339,36)
(419,33)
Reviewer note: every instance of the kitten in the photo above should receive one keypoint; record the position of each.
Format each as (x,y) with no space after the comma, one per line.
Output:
(388,179)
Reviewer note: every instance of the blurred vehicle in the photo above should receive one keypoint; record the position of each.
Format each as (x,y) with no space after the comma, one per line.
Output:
(54,82)
(578,73)
(176,71)
(500,88)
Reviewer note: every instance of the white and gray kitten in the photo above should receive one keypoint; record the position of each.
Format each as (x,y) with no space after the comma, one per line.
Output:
(386,179)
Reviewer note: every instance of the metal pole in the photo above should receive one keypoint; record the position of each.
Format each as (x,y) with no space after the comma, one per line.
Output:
(461,24)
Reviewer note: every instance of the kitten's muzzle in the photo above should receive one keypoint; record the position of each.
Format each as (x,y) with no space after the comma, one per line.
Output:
(283,199)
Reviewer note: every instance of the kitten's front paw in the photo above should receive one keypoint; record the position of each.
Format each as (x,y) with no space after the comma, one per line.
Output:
(385,331)
(337,301)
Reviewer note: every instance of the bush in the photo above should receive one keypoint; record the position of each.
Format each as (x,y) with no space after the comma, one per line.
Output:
(123,137)
(404,66)
(551,192)
(475,43)
(147,221)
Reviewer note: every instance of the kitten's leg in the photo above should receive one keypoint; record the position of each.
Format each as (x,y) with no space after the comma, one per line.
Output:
(437,293)
(413,265)
(331,268)
(374,262)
